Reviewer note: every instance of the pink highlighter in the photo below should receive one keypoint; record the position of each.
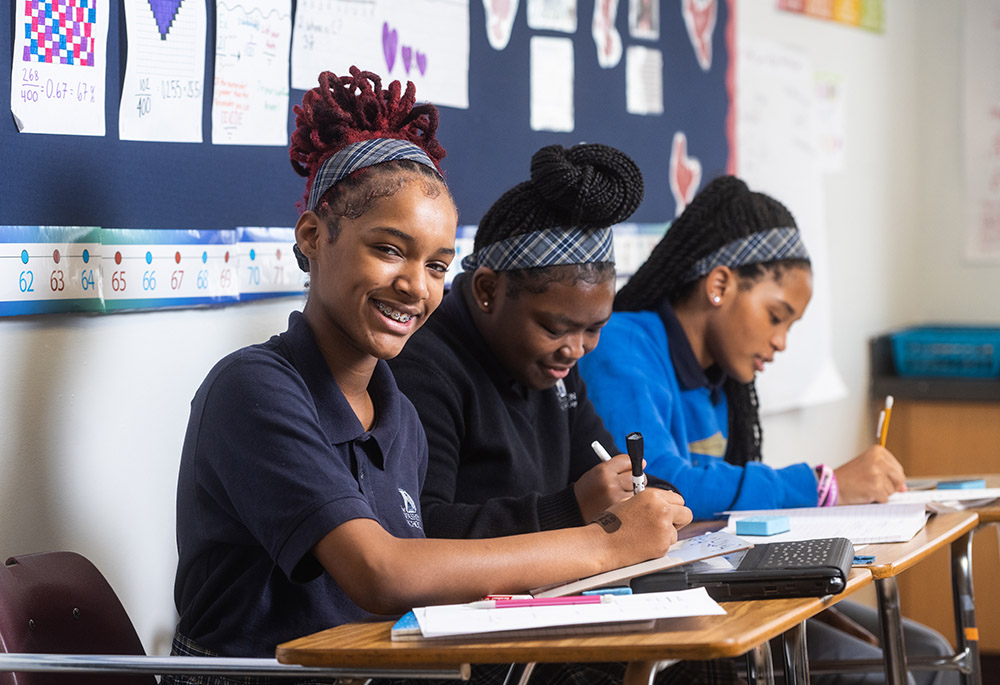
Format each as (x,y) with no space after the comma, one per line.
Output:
(539,602)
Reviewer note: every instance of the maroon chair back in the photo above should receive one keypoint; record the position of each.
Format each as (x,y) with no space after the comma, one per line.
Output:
(59,603)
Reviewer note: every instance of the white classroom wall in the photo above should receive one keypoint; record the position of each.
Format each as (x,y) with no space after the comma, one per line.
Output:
(94,413)
(93,408)
(894,215)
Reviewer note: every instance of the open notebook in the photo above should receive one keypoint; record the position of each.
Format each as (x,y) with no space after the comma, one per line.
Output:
(941,499)
(860,523)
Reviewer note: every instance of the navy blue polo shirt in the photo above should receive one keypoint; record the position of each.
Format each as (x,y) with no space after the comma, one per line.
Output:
(274,459)
(690,375)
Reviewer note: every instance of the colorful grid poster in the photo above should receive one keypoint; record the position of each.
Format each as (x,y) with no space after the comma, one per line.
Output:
(57,73)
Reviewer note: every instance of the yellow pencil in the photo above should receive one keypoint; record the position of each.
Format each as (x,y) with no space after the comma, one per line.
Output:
(883,421)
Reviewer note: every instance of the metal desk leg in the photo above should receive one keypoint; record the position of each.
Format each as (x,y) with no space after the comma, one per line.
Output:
(760,670)
(966,632)
(640,673)
(890,618)
(519,674)
(796,658)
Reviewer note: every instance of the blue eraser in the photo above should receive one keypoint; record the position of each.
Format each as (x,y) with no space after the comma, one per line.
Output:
(763,525)
(609,591)
(971,484)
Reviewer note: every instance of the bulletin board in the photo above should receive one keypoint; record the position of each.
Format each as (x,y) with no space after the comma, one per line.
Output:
(77,180)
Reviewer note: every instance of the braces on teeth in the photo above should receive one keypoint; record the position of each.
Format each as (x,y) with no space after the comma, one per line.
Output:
(392,314)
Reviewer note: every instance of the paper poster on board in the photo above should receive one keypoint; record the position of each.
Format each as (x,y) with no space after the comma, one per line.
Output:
(164,84)
(423,41)
(250,97)
(643,80)
(607,40)
(552,74)
(500,15)
(644,19)
(57,82)
(981,129)
(552,15)
(778,154)
(699,19)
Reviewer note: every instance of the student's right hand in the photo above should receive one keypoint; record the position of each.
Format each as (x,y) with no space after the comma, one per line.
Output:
(603,485)
(648,526)
(871,476)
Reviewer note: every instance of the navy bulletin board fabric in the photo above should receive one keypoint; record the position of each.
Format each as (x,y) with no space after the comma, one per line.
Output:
(104,181)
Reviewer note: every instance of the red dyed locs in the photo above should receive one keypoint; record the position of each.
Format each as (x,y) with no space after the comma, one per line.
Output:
(348,109)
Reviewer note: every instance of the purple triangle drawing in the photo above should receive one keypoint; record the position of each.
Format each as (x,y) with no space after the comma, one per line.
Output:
(164,11)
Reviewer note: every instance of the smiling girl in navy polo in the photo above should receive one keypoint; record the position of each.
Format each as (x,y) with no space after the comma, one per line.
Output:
(297,504)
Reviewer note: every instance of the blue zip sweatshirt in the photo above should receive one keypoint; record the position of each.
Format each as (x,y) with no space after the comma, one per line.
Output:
(643,376)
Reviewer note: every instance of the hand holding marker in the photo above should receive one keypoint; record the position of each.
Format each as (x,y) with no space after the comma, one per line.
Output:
(633,442)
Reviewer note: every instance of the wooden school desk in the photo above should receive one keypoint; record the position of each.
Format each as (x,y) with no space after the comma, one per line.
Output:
(924,598)
(746,627)
(956,530)
(944,427)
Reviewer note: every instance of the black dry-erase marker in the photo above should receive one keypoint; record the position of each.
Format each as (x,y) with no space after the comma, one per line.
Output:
(633,442)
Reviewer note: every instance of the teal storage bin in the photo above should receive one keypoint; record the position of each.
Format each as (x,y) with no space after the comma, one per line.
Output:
(947,351)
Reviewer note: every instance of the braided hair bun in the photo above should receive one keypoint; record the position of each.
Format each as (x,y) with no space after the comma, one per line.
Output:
(585,186)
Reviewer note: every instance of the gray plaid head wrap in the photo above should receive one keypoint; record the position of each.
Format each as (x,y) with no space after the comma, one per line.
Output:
(547,247)
(359,155)
(756,248)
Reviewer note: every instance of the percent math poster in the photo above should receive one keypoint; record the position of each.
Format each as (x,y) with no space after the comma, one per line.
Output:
(423,41)
(250,99)
(57,73)
(164,71)
(981,129)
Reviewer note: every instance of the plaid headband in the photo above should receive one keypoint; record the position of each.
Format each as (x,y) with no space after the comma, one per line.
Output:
(359,155)
(547,247)
(756,248)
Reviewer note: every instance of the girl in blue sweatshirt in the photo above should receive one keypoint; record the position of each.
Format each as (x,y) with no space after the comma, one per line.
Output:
(708,310)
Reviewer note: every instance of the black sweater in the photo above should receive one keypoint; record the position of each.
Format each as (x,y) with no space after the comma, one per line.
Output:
(503,458)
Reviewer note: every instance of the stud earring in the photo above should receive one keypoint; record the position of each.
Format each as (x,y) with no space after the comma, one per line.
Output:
(716,299)
(486,303)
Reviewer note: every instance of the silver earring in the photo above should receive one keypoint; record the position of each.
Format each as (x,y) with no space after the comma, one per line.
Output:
(716,299)
(486,303)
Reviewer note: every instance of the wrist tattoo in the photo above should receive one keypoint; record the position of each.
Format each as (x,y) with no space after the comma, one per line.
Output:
(608,521)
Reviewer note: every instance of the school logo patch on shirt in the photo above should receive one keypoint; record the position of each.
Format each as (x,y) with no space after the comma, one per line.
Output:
(409,508)
(567,400)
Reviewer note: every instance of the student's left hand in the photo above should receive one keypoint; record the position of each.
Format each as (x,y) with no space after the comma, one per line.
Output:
(603,485)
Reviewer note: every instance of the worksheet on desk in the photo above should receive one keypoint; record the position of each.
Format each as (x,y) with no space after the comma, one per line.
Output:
(461,619)
(860,523)
(946,495)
